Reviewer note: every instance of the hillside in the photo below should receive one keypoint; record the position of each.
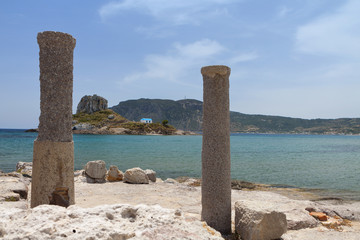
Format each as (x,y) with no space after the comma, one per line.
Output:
(184,114)
(187,115)
(109,122)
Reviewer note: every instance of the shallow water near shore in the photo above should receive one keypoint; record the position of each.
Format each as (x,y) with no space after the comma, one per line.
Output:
(326,165)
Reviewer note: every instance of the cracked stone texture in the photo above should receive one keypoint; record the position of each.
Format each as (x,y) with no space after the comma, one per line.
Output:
(56,86)
(216,179)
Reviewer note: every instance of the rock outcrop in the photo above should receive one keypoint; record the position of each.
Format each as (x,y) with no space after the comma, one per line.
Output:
(91,104)
(296,215)
(114,174)
(254,221)
(95,171)
(136,176)
(13,188)
(102,222)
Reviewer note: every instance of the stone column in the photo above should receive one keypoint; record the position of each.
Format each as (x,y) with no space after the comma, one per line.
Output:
(53,159)
(215,157)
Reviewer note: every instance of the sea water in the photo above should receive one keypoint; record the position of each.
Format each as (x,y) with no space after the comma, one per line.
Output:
(318,162)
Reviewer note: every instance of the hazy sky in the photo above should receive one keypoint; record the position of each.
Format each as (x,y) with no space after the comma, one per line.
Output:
(297,58)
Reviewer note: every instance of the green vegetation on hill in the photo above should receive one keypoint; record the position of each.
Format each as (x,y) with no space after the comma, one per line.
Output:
(101,118)
(187,115)
(111,120)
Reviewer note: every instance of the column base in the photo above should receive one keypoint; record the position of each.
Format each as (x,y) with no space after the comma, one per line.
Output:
(53,173)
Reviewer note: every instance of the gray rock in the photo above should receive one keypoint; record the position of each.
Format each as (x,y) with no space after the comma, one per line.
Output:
(95,171)
(83,126)
(151,175)
(136,175)
(91,104)
(111,116)
(258,222)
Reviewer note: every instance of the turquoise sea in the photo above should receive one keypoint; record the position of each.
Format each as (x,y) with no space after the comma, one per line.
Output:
(323,163)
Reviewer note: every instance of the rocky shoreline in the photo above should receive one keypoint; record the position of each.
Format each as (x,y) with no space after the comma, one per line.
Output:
(120,131)
(145,211)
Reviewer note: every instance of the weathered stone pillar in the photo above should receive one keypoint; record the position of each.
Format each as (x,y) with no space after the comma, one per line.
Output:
(216,179)
(53,160)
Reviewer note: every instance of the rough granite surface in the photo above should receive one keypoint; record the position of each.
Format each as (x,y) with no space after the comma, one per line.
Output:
(56,86)
(216,180)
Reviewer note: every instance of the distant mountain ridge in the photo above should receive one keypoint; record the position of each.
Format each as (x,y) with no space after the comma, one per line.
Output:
(186,114)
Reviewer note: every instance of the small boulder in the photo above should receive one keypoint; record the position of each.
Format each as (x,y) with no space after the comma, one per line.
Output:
(25,168)
(114,174)
(136,175)
(254,221)
(151,175)
(111,116)
(95,171)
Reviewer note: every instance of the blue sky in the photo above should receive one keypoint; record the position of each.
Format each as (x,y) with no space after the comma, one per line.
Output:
(297,58)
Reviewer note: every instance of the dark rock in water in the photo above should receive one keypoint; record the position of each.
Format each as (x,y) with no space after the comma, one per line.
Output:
(32,130)
(91,104)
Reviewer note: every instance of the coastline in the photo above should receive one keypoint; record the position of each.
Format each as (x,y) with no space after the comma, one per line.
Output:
(183,196)
(122,131)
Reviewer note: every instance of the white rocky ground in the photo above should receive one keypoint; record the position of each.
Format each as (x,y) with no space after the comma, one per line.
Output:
(161,210)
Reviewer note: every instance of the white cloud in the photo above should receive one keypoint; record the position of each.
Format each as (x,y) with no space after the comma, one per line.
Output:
(243,58)
(333,34)
(177,64)
(176,12)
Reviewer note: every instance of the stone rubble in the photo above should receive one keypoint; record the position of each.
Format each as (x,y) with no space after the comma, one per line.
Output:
(185,199)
